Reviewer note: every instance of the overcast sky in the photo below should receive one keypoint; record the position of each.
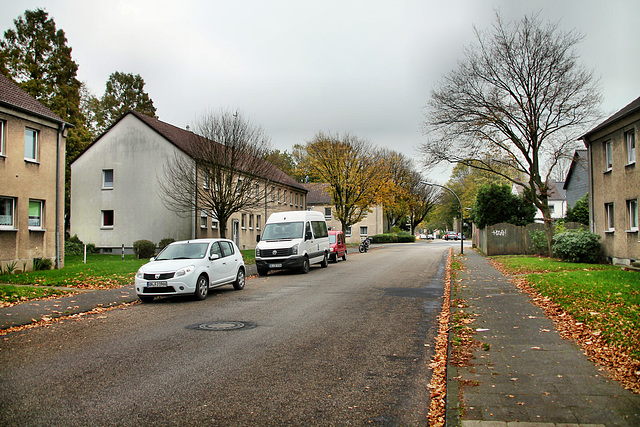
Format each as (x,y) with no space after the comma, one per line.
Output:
(298,67)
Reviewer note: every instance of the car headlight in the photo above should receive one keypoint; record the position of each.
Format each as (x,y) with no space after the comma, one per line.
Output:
(294,250)
(184,271)
(257,253)
(140,274)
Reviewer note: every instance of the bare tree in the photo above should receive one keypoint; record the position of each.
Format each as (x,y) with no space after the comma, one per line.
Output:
(221,170)
(517,102)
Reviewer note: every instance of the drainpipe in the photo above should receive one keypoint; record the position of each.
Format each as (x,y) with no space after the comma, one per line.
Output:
(59,203)
(589,146)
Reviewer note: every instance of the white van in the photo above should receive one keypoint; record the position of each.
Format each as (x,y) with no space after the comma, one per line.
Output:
(293,240)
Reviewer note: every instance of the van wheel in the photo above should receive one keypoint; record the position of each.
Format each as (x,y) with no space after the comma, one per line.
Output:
(202,288)
(262,271)
(305,265)
(325,261)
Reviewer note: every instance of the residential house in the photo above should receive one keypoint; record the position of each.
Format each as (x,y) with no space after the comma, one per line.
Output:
(32,168)
(556,197)
(614,184)
(576,184)
(115,190)
(319,199)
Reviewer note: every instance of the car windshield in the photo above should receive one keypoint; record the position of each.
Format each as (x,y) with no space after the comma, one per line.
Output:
(332,238)
(183,251)
(283,231)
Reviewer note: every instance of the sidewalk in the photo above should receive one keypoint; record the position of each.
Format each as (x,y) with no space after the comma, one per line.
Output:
(529,374)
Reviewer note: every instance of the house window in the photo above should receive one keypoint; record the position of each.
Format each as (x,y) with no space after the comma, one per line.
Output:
(107,179)
(243,221)
(239,189)
(347,232)
(278,195)
(205,179)
(608,217)
(630,139)
(7,208)
(273,190)
(291,198)
(297,199)
(203,218)
(258,222)
(327,214)
(214,220)
(3,124)
(35,213)
(364,231)
(31,144)
(552,209)
(608,156)
(250,221)
(257,187)
(107,219)
(632,211)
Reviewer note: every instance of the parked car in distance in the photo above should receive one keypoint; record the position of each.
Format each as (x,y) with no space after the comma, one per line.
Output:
(337,245)
(451,235)
(191,267)
(422,236)
(429,236)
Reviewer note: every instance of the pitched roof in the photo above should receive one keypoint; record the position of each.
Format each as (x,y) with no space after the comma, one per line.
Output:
(180,138)
(630,108)
(12,95)
(318,193)
(556,190)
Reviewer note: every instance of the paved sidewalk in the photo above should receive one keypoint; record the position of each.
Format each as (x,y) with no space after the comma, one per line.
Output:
(529,374)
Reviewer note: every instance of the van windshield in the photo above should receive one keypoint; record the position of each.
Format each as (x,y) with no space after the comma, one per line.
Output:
(283,231)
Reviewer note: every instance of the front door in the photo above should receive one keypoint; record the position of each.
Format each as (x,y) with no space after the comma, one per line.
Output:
(235,232)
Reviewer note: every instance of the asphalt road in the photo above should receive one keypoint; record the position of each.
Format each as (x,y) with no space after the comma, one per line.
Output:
(345,345)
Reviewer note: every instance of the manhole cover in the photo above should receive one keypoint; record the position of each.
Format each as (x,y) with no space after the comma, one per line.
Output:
(223,325)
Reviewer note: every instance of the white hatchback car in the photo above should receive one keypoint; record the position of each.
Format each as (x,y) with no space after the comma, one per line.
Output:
(191,267)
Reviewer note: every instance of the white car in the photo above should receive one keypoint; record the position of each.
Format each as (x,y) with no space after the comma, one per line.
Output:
(191,267)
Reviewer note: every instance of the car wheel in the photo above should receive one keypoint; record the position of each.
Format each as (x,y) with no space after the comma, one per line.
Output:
(305,265)
(145,299)
(325,261)
(344,256)
(334,258)
(202,287)
(262,271)
(239,283)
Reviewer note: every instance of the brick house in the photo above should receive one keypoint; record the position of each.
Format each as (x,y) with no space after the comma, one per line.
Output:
(115,191)
(319,199)
(32,169)
(614,184)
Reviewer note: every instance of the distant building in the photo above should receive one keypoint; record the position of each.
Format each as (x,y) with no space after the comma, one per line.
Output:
(576,184)
(32,168)
(614,183)
(115,197)
(319,199)
(557,199)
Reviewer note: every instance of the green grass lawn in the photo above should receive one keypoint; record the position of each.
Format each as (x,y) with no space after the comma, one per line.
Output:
(604,297)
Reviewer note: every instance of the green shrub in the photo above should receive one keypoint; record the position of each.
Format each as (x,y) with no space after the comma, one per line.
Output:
(75,246)
(40,264)
(538,242)
(165,242)
(144,248)
(406,238)
(384,238)
(577,246)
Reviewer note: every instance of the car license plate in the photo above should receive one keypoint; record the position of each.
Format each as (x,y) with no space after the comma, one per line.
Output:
(275,265)
(160,284)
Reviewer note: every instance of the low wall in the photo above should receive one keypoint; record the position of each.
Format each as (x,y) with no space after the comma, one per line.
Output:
(509,239)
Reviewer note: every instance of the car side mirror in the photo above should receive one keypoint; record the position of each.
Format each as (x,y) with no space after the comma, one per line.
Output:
(257,238)
(308,236)
(213,257)
(152,259)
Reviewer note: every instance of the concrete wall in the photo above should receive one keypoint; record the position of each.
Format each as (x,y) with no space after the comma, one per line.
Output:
(23,180)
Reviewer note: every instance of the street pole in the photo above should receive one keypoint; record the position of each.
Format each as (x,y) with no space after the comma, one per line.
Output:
(461,212)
